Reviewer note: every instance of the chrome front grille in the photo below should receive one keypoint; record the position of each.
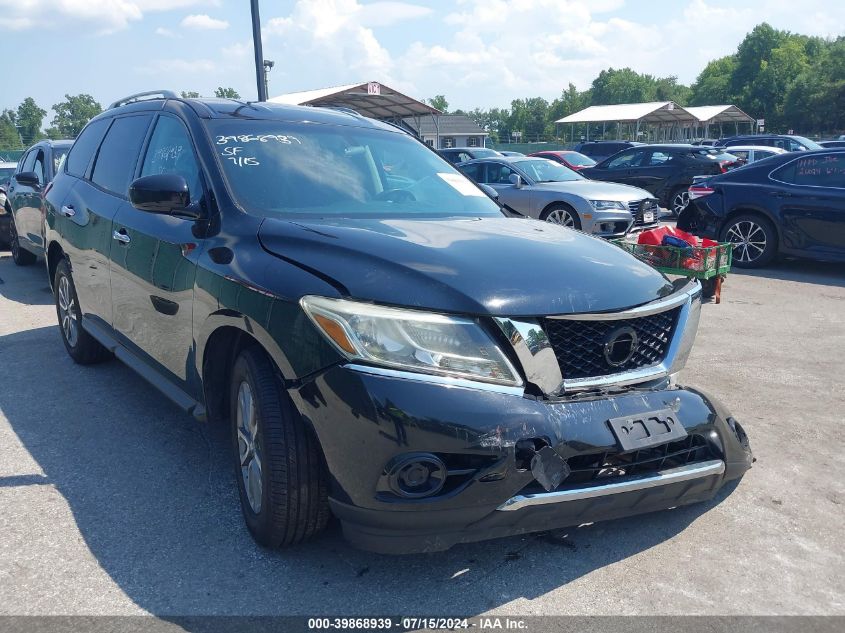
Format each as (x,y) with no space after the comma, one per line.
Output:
(639,207)
(581,346)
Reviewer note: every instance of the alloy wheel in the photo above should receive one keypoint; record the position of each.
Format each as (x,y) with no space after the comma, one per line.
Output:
(67,312)
(562,217)
(749,240)
(680,201)
(249,446)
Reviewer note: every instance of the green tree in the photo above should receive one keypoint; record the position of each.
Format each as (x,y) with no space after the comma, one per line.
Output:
(29,120)
(190,94)
(713,85)
(226,93)
(529,116)
(621,86)
(72,115)
(439,102)
(9,138)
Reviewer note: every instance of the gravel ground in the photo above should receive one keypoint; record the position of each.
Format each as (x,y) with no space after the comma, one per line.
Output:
(114,502)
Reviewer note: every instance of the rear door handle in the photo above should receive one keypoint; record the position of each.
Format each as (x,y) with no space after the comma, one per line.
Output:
(121,236)
(68,211)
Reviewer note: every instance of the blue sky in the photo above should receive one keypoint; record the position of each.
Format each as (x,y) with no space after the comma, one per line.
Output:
(476,52)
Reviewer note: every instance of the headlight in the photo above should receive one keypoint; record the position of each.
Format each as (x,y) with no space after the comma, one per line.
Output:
(410,339)
(604,205)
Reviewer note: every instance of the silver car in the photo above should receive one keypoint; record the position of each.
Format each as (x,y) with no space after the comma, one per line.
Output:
(545,190)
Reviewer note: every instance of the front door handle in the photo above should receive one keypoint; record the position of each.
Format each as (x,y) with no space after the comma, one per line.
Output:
(121,236)
(68,211)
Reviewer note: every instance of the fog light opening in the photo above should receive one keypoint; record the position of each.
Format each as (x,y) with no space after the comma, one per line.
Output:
(416,475)
(525,449)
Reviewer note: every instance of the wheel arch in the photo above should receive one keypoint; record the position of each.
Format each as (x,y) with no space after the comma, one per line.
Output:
(559,203)
(55,254)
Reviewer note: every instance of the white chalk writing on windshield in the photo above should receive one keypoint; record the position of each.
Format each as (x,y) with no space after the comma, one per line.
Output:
(261,138)
(234,154)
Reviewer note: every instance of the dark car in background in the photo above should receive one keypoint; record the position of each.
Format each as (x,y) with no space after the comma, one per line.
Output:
(788,204)
(457,155)
(407,358)
(829,144)
(789,142)
(6,171)
(34,172)
(666,171)
(574,160)
(599,150)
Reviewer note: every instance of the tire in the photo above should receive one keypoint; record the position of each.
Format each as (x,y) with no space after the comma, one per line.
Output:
(754,239)
(563,215)
(20,256)
(278,462)
(678,201)
(81,346)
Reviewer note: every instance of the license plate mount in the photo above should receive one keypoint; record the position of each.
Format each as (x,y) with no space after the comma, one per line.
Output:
(648,216)
(643,430)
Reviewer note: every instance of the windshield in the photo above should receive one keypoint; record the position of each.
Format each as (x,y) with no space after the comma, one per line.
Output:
(278,168)
(807,142)
(542,170)
(575,158)
(59,154)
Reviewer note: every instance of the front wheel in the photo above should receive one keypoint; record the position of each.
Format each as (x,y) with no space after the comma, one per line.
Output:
(754,240)
(278,462)
(562,215)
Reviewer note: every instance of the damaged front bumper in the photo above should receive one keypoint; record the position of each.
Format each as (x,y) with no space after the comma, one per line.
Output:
(501,463)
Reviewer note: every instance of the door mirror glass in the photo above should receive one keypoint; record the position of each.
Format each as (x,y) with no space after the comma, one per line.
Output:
(27,178)
(162,193)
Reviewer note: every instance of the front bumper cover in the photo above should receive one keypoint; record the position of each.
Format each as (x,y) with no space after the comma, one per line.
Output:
(366,417)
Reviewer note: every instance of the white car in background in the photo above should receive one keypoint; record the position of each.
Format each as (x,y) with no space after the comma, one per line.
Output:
(752,153)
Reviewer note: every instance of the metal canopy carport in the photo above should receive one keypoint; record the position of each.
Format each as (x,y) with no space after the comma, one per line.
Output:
(720,114)
(667,117)
(371,99)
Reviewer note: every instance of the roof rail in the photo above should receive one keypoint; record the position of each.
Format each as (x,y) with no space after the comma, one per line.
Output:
(161,94)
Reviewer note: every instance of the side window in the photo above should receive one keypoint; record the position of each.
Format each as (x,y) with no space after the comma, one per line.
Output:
(742,154)
(658,158)
(627,159)
(38,166)
(826,170)
(28,161)
(473,171)
(795,146)
(171,152)
(119,153)
(761,154)
(464,157)
(85,146)
(498,174)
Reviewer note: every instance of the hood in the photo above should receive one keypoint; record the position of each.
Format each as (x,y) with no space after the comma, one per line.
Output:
(482,266)
(597,190)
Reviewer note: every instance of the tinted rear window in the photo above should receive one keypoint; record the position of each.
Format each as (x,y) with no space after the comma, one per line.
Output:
(820,170)
(85,146)
(119,153)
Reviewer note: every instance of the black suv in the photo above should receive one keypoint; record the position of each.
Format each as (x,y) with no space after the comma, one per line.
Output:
(665,171)
(790,204)
(789,142)
(599,150)
(384,345)
(35,170)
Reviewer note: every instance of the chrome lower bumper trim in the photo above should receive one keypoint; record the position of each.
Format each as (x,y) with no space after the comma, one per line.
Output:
(661,478)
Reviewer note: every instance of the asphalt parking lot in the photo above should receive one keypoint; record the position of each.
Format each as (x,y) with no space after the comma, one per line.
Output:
(114,502)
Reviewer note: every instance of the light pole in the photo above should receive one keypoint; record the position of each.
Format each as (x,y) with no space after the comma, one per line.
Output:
(260,79)
(268,66)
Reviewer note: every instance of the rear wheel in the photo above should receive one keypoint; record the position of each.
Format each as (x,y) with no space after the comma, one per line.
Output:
(679,201)
(754,240)
(563,215)
(20,256)
(278,463)
(82,347)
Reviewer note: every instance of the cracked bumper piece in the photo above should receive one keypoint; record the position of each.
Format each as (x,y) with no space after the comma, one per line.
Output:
(368,419)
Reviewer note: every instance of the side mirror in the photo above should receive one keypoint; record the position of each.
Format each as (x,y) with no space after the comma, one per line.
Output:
(167,194)
(28,179)
(516,180)
(489,191)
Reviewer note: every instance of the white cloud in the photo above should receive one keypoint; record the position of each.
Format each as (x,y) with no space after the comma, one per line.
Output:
(165,32)
(178,67)
(203,22)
